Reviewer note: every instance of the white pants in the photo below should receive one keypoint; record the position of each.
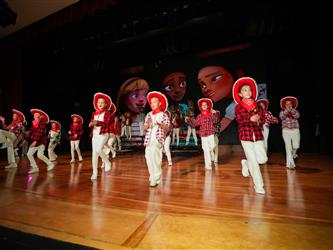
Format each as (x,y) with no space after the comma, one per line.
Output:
(255,154)
(123,130)
(118,141)
(110,145)
(98,142)
(215,152)
(191,130)
(208,144)
(142,128)
(266,134)
(153,156)
(8,138)
(40,154)
(75,146)
(128,132)
(175,134)
(52,155)
(167,148)
(292,138)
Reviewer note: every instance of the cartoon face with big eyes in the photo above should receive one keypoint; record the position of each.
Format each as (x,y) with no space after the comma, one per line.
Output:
(132,95)
(136,100)
(174,86)
(216,82)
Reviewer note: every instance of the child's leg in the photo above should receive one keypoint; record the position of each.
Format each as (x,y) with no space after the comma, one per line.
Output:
(194,132)
(77,148)
(261,155)
(72,151)
(216,149)
(130,132)
(153,156)
(142,127)
(206,150)
(295,139)
(173,135)
(98,143)
(111,143)
(253,166)
(189,129)
(50,151)
(118,141)
(41,156)
(10,153)
(167,149)
(286,134)
(33,164)
(266,134)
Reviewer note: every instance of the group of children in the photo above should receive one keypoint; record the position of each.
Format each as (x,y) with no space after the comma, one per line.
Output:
(252,117)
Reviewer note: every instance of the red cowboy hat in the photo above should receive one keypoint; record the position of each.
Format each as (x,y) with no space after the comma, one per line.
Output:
(20,115)
(240,83)
(57,123)
(113,108)
(77,116)
(264,101)
(105,97)
(206,100)
(42,113)
(293,100)
(161,97)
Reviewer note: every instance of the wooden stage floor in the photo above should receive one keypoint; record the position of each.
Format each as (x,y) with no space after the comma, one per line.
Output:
(191,208)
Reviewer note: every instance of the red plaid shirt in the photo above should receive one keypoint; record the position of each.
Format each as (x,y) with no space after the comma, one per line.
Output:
(269,119)
(38,134)
(160,133)
(207,123)
(248,130)
(75,130)
(105,124)
(289,118)
(17,129)
(117,128)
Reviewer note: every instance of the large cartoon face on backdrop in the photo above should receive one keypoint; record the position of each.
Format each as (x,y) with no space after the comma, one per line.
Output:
(174,86)
(216,82)
(132,95)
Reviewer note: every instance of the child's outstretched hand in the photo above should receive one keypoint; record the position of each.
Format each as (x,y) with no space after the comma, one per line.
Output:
(255,118)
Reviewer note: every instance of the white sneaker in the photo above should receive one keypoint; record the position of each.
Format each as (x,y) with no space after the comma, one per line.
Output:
(103,165)
(113,154)
(50,167)
(107,166)
(80,159)
(153,184)
(245,169)
(93,177)
(260,190)
(11,165)
(208,167)
(33,170)
(170,163)
(72,161)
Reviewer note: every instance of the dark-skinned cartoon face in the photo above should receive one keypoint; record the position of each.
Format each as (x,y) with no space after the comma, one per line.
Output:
(216,82)
(174,86)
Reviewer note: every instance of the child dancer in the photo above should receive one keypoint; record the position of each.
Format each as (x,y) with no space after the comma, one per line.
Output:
(268,119)
(156,125)
(206,120)
(249,129)
(55,136)
(75,132)
(191,130)
(290,128)
(100,124)
(37,138)
(10,135)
